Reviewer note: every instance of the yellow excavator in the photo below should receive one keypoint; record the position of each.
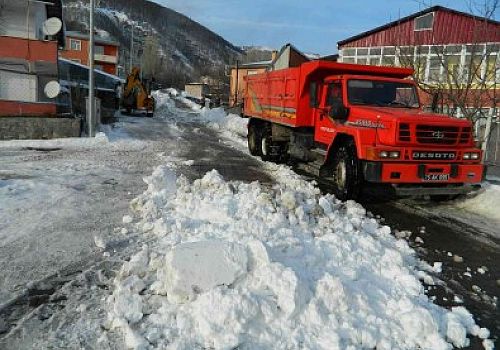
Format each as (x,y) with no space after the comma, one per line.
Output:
(136,96)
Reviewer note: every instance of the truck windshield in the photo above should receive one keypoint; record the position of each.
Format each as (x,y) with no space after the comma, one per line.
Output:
(382,93)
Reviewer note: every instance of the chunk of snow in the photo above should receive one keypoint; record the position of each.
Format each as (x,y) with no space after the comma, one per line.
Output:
(99,242)
(195,268)
(438,267)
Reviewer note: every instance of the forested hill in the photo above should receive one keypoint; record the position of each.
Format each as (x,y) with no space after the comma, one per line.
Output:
(169,45)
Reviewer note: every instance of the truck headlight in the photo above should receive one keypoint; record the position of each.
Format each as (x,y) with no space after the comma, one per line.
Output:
(471,156)
(384,154)
(394,154)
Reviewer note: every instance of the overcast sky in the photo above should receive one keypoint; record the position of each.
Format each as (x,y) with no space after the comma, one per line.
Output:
(312,28)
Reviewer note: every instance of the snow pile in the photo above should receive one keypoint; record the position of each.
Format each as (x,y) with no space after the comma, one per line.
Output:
(485,203)
(215,118)
(236,265)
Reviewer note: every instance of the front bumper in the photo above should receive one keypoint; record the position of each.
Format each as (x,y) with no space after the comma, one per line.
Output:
(418,173)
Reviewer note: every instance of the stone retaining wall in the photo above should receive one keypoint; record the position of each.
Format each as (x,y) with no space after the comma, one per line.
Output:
(38,128)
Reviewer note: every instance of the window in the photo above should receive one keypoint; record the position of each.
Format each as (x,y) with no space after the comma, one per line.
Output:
(453,68)
(18,87)
(492,68)
(99,50)
(362,52)
(420,67)
(76,60)
(382,93)
(349,52)
(424,22)
(434,69)
(389,61)
(334,94)
(75,45)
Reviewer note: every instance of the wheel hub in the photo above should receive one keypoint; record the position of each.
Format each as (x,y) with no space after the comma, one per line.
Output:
(341,175)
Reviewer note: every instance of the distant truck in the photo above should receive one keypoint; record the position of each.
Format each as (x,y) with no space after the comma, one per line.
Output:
(356,125)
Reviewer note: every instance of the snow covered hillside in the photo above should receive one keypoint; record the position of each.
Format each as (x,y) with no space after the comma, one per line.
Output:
(228,264)
(185,47)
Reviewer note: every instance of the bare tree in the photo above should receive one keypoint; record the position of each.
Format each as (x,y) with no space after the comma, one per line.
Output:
(460,79)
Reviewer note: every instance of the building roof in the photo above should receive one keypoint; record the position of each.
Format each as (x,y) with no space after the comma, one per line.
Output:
(253,65)
(98,39)
(293,48)
(410,17)
(70,62)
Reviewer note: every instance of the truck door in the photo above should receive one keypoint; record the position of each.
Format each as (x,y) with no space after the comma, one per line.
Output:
(325,125)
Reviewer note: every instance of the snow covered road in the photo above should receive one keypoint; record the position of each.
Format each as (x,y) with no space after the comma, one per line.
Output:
(304,287)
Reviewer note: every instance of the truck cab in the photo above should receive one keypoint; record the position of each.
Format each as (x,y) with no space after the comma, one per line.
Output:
(362,126)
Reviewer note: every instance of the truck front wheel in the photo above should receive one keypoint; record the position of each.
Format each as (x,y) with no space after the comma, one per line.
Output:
(346,168)
(254,140)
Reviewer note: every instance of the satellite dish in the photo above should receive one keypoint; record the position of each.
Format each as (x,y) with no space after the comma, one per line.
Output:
(52,26)
(52,89)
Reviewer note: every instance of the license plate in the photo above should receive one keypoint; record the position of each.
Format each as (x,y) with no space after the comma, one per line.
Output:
(436,177)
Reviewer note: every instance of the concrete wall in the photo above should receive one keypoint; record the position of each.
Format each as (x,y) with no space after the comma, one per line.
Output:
(24,128)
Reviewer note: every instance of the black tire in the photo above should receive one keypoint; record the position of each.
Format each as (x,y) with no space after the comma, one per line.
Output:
(346,170)
(254,139)
(265,145)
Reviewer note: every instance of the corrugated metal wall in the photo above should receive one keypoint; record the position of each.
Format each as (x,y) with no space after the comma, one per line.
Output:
(448,28)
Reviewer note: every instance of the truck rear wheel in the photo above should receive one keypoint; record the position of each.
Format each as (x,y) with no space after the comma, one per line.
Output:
(269,151)
(254,140)
(346,169)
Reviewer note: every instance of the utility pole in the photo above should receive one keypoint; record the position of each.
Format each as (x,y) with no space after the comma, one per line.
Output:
(91,117)
(131,46)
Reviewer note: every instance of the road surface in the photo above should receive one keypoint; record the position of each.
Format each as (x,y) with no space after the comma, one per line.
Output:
(49,269)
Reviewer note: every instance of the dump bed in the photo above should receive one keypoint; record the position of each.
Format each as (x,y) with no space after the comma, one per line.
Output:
(282,96)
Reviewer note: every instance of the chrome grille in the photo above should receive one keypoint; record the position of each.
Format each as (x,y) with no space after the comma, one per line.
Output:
(442,135)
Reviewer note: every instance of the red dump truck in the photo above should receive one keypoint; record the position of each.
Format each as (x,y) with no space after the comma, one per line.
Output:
(356,125)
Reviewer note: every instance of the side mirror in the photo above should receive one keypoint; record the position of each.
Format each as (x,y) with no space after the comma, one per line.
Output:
(338,110)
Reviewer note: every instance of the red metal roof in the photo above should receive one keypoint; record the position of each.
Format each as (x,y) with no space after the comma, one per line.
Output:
(449,27)
(333,68)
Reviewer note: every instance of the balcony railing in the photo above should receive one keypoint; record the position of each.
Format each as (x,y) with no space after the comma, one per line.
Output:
(106,58)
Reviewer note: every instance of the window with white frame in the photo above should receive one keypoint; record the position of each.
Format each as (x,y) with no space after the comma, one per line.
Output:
(75,45)
(424,22)
(18,86)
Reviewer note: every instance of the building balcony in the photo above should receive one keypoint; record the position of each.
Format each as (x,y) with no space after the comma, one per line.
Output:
(106,58)
(28,49)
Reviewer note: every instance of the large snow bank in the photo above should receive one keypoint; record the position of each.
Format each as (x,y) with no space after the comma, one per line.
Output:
(237,265)
(486,203)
